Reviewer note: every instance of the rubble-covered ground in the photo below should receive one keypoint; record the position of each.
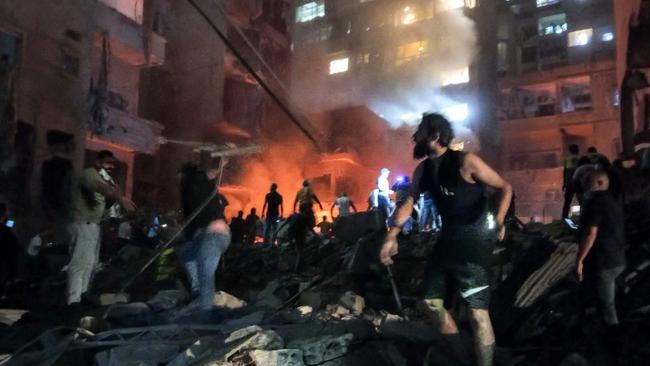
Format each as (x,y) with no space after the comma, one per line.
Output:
(336,309)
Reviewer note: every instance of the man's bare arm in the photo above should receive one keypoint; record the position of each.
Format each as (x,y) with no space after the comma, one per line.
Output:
(389,249)
(587,243)
(484,173)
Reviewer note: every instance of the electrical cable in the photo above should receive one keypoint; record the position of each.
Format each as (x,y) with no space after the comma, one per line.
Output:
(285,108)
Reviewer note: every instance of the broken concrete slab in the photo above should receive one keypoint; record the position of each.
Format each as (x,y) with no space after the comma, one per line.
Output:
(267,297)
(123,311)
(281,357)
(317,350)
(225,300)
(337,310)
(167,299)
(137,354)
(353,302)
(107,299)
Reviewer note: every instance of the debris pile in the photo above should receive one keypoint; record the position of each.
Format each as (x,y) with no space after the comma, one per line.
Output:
(337,308)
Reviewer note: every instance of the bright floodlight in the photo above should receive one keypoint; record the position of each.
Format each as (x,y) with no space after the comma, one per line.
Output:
(339,65)
(457,112)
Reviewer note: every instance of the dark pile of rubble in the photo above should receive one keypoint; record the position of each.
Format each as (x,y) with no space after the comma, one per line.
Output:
(338,308)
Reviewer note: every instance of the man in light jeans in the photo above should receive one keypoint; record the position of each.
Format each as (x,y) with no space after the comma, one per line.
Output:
(208,234)
(88,205)
(201,257)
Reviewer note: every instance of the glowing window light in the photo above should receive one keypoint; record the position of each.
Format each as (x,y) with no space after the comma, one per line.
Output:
(410,51)
(444,5)
(580,37)
(310,11)
(455,77)
(339,65)
(457,112)
(607,37)
(409,16)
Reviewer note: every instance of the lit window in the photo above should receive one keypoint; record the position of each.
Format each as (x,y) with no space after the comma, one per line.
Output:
(408,16)
(554,24)
(607,37)
(453,77)
(502,54)
(339,65)
(457,112)
(580,37)
(310,11)
(541,3)
(363,58)
(410,51)
(444,5)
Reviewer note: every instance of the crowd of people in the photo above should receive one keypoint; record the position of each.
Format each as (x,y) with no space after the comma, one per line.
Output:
(447,194)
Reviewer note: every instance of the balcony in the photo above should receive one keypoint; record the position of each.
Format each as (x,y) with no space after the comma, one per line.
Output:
(131,132)
(127,36)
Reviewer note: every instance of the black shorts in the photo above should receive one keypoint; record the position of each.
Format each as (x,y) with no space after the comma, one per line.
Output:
(461,263)
(470,280)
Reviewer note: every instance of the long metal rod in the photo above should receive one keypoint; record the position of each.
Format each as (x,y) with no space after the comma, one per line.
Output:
(255,75)
(180,230)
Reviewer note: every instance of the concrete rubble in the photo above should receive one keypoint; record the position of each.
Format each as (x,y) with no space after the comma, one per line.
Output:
(338,309)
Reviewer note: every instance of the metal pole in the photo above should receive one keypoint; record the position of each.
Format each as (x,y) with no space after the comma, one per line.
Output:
(398,300)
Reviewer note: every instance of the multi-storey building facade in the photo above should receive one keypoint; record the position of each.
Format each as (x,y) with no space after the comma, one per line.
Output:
(558,86)
(84,75)
(70,75)
(400,58)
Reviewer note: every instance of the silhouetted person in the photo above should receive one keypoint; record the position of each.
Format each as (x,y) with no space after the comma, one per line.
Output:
(9,249)
(252,221)
(273,210)
(238,227)
(305,199)
(325,227)
(596,158)
(570,166)
(344,204)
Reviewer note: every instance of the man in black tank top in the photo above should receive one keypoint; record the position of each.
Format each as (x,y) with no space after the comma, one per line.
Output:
(460,260)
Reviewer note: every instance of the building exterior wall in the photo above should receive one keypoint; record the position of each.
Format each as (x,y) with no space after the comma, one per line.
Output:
(60,59)
(554,92)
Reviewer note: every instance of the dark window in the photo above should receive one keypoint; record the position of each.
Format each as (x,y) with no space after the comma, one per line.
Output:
(11,45)
(73,35)
(71,64)
(529,55)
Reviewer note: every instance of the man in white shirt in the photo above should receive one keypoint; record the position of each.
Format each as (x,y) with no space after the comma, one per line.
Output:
(343,203)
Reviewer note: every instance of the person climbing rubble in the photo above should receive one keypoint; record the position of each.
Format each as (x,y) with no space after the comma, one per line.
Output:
(305,199)
(344,203)
(208,236)
(457,182)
